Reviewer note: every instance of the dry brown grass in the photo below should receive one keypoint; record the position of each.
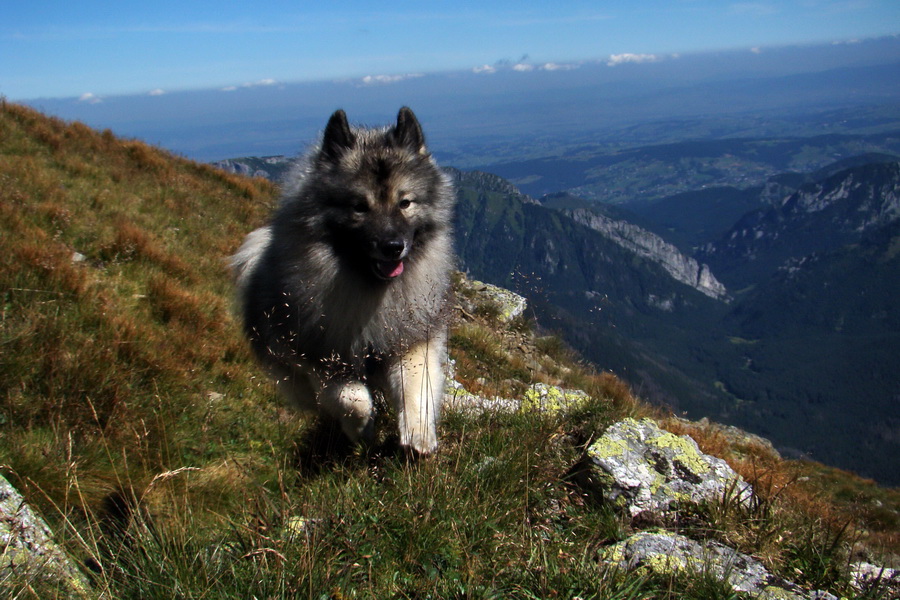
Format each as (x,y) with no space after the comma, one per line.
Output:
(100,356)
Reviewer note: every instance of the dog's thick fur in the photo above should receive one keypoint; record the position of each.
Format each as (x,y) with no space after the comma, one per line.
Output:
(345,292)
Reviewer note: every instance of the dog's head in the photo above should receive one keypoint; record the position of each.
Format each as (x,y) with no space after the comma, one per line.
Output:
(382,192)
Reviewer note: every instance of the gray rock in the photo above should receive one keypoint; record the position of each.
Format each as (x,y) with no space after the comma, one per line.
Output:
(639,467)
(665,553)
(509,304)
(456,397)
(539,397)
(866,577)
(27,548)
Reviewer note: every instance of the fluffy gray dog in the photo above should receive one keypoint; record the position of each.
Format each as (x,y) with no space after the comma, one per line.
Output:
(345,291)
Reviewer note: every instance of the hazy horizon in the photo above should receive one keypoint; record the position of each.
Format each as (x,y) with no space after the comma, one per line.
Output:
(466,112)
(91,50)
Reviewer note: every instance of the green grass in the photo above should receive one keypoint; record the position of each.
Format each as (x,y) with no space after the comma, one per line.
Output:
(482,519)
(134,419)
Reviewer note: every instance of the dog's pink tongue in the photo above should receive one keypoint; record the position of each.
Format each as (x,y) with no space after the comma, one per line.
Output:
(390,269)
(397,269)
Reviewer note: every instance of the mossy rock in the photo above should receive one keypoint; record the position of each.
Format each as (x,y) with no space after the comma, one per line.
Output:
(666,554)
(28,551)
(551,398)
(645,468)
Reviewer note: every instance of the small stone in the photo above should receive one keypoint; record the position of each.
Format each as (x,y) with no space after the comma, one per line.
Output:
(866,577)
(297,526)
(456,397)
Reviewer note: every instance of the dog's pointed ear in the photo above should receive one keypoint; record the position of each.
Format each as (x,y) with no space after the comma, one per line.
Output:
(338,137)
(408,133)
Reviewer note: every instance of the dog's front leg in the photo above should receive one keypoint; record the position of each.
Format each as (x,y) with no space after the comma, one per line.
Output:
(345,399)
(350,402)
(417,390)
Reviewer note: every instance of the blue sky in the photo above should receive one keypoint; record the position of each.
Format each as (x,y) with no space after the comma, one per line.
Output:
(91,49)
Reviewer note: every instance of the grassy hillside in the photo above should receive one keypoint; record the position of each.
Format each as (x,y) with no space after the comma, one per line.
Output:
(133,418)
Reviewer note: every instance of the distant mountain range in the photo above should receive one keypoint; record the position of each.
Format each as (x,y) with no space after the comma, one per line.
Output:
(773,307)
(829,212)
(806,350)
(646,173)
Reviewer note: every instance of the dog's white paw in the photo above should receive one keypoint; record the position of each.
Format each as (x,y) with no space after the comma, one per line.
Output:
(420,437)
(353,407)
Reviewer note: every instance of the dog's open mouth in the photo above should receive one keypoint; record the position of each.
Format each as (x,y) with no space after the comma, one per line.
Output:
(388,269)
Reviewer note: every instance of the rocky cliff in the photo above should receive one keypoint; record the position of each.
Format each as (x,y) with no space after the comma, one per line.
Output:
(272,168)
(650,246)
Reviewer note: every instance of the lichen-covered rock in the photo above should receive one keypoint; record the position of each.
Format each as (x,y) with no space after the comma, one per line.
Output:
(300,528)
(664,553)
(457,397)
(550,398)
(27,548)
(539,397)
(509,304)
(639,467)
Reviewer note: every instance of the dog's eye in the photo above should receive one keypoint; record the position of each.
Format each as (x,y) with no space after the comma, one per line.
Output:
(405,203)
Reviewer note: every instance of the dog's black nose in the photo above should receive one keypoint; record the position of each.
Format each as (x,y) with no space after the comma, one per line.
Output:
(392,249)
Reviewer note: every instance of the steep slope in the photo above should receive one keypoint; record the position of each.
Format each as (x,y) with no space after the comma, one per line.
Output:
(819,343)
(118,346)
(648,245)
(789,350)
(623,311)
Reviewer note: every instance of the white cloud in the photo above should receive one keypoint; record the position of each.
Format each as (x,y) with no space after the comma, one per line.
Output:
(156,92)
(383,79)
(261,82)
(249,84)
(523,67)
(484,69)
(558,67)
(619,59)
(756,50)
(90,98)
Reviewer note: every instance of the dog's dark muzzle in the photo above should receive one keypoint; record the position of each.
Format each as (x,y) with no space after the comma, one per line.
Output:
(389,258)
